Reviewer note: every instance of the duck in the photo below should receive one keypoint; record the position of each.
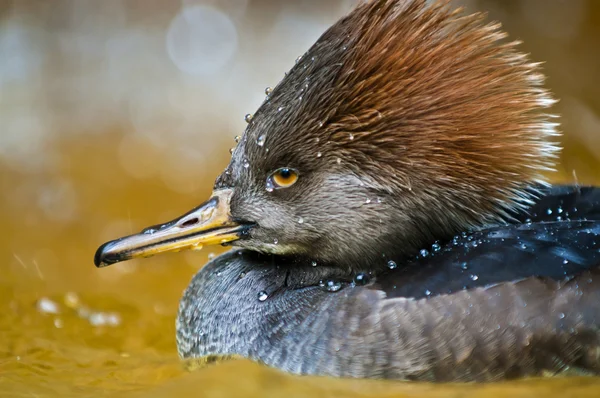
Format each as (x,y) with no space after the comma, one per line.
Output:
(390,217)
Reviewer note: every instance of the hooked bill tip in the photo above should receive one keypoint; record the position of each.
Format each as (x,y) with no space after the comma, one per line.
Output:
(103,258)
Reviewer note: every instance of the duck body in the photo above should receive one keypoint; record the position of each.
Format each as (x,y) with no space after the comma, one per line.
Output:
(515,300)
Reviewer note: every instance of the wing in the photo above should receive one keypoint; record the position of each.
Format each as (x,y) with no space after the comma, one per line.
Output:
(558,237)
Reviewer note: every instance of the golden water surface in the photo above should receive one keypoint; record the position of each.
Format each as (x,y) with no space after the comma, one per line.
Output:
(98,141)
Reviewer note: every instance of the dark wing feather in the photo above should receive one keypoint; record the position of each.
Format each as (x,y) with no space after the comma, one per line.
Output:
(563,202)
(544,247)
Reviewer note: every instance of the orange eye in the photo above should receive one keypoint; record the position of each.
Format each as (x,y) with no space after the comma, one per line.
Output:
(282,178)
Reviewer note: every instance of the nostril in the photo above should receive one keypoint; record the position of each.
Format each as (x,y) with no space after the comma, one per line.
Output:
(190,222)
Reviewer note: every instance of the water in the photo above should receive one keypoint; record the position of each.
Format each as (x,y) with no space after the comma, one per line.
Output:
(331,285)
(263,296)
(260,141)
(361,279)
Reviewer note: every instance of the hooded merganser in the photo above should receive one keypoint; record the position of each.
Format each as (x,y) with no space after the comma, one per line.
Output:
(392,219)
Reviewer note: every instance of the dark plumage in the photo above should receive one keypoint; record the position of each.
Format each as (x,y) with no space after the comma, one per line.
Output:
(389,200)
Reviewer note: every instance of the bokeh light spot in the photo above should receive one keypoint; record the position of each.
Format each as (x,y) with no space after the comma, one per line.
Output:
(201,40)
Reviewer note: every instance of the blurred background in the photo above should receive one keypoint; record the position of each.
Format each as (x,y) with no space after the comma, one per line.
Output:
(118,114)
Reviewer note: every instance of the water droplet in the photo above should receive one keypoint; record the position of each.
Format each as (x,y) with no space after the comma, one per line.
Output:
(268,91)
(331,285)
(320,125)
(379,200)
(248,117)
(428,292)
(269,186)
(149,231)
(565,261)
(523,246)
(368,201)
(561,315)
(298,59)
(549,211)
(473,277)
(361,279)
(313,263)
(262,295)
(231,150)
(275,241)
(528,221)
(246,164)
(280,109)
(237,139)
(338,160)
(300,220)
(391,264)
(211,256)
(559,210)
(319,154)
(351,136)
(464,265)
(436,247)
(260,141)
(424,253)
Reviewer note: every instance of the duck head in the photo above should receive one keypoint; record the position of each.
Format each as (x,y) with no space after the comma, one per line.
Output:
(405,123)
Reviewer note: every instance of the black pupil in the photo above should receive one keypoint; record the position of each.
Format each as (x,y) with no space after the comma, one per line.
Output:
(285,173)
